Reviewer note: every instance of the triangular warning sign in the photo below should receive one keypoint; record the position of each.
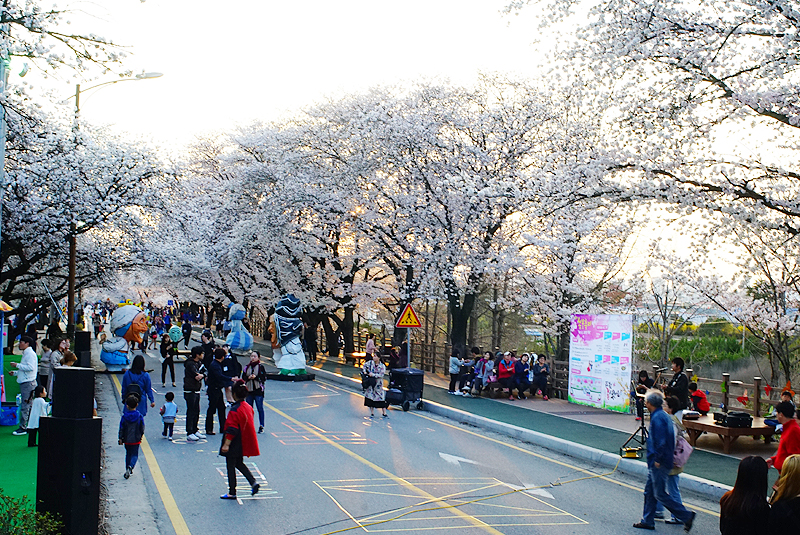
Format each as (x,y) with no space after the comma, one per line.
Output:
(408,319)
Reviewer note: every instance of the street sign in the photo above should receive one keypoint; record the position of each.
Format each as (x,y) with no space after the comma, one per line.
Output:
(408,319)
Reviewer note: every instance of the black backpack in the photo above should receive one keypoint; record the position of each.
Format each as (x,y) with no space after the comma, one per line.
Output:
(133,389)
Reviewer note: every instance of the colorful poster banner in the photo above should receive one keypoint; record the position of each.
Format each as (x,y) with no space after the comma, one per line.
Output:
(600,355)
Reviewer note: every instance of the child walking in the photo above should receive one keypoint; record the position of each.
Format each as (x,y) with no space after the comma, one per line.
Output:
(168,413)
(38,409)
(131,430)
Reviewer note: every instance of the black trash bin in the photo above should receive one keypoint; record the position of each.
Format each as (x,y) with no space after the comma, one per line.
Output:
(405,387)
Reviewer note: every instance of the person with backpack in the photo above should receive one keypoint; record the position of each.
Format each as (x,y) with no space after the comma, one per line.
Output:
(136,382)
(131,430)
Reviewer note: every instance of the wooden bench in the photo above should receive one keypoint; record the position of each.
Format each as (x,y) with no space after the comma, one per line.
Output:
(728,435)
(356,358)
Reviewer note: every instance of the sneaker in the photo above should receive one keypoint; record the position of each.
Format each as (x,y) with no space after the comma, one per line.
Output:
(458,393)
(163,385)
(127,473)
(173,384)
(260,428)
(169,438)
(640,525)
(546,398)
(254,489)
(521,396)
(192,437)
(638,419)
(20,431)
(659,516)
(673,521)
(228,496)
(164,435)
(198,434)
(511,398)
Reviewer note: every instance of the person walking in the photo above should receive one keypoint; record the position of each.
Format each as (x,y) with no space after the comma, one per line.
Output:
(673,488)
(216,382)
(743,510)
(660,449)
(254,375)
(239,441)
(374,395)
(137,376)
(186,329)
(370,349)
(131,431)
(167,359)
(168,411)
(192,382)
(27,369)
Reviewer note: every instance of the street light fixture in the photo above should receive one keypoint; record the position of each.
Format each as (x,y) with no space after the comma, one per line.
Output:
(73,228)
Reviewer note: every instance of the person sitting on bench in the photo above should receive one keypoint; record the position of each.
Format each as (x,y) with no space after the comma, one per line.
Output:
(786,395)
(790,439)
(541,370)
(698,399)
(505,373)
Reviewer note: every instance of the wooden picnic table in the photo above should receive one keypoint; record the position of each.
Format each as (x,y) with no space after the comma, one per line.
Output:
(728,435)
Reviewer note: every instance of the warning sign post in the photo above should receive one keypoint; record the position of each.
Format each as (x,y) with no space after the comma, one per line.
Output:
(408,320)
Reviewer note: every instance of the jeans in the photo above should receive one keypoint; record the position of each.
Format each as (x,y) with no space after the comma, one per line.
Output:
(216,403)
(168,426)
(25,389)
(131,455)
(673,490)
(258,399)
(233,464)
(192,411)
(655,490)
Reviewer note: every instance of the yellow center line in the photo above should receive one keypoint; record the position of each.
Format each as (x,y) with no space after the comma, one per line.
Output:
(537,455)
(175,516)
(432,499)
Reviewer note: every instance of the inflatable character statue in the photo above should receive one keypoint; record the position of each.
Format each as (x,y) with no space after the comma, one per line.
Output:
(128,323)
(239,339)
(286,328)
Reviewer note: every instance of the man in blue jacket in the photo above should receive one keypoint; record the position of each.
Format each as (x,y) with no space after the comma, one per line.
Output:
(660,449)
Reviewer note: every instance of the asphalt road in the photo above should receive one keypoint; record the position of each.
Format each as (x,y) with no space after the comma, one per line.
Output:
(326,467)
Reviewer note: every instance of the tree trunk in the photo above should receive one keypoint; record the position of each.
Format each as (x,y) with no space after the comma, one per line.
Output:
(346,329)
(331,340)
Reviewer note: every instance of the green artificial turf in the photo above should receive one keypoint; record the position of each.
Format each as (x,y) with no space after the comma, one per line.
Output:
(18,465)
(10,381)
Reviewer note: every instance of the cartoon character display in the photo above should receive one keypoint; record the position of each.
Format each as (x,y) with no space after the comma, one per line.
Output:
(286,328)
(128,324)
(239,339)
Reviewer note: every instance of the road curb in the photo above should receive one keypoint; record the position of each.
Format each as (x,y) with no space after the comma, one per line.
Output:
(705,487)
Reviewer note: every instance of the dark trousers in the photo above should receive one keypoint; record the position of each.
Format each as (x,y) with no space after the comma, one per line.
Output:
(192,411)
(523,384)
(41,380)
(465,378)
(168,428)
(233,464)
(32,437)
(131,455)
(216,403)
(186,339)
(168,362)
(453,381)
(540,383)
(507,382)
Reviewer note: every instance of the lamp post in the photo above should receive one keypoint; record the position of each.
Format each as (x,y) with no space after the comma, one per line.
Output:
(73,228)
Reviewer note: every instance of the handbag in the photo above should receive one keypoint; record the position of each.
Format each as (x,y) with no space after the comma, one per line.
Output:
(367,381)
(682,452)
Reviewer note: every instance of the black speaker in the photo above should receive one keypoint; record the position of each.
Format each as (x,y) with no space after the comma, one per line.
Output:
(73,392)
(68,474)
(84,359)
(83,341)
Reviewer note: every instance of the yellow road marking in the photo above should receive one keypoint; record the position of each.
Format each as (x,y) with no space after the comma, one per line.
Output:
(175,516)
(543,457)
(474,521)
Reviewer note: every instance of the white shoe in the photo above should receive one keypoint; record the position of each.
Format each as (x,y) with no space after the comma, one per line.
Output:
(192,437)
(199,435)
(458,394)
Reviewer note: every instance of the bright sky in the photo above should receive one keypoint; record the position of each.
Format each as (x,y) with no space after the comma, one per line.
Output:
(228,63)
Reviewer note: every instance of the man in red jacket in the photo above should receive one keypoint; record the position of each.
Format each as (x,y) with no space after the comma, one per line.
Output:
(239,441)
(790,439)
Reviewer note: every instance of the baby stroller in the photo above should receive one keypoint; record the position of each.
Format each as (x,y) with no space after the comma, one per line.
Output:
(405,387)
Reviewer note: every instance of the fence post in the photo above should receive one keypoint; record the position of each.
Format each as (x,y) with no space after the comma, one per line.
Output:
(726,386)
(757,397)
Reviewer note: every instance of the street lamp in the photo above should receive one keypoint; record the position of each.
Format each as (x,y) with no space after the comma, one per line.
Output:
(73,228)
